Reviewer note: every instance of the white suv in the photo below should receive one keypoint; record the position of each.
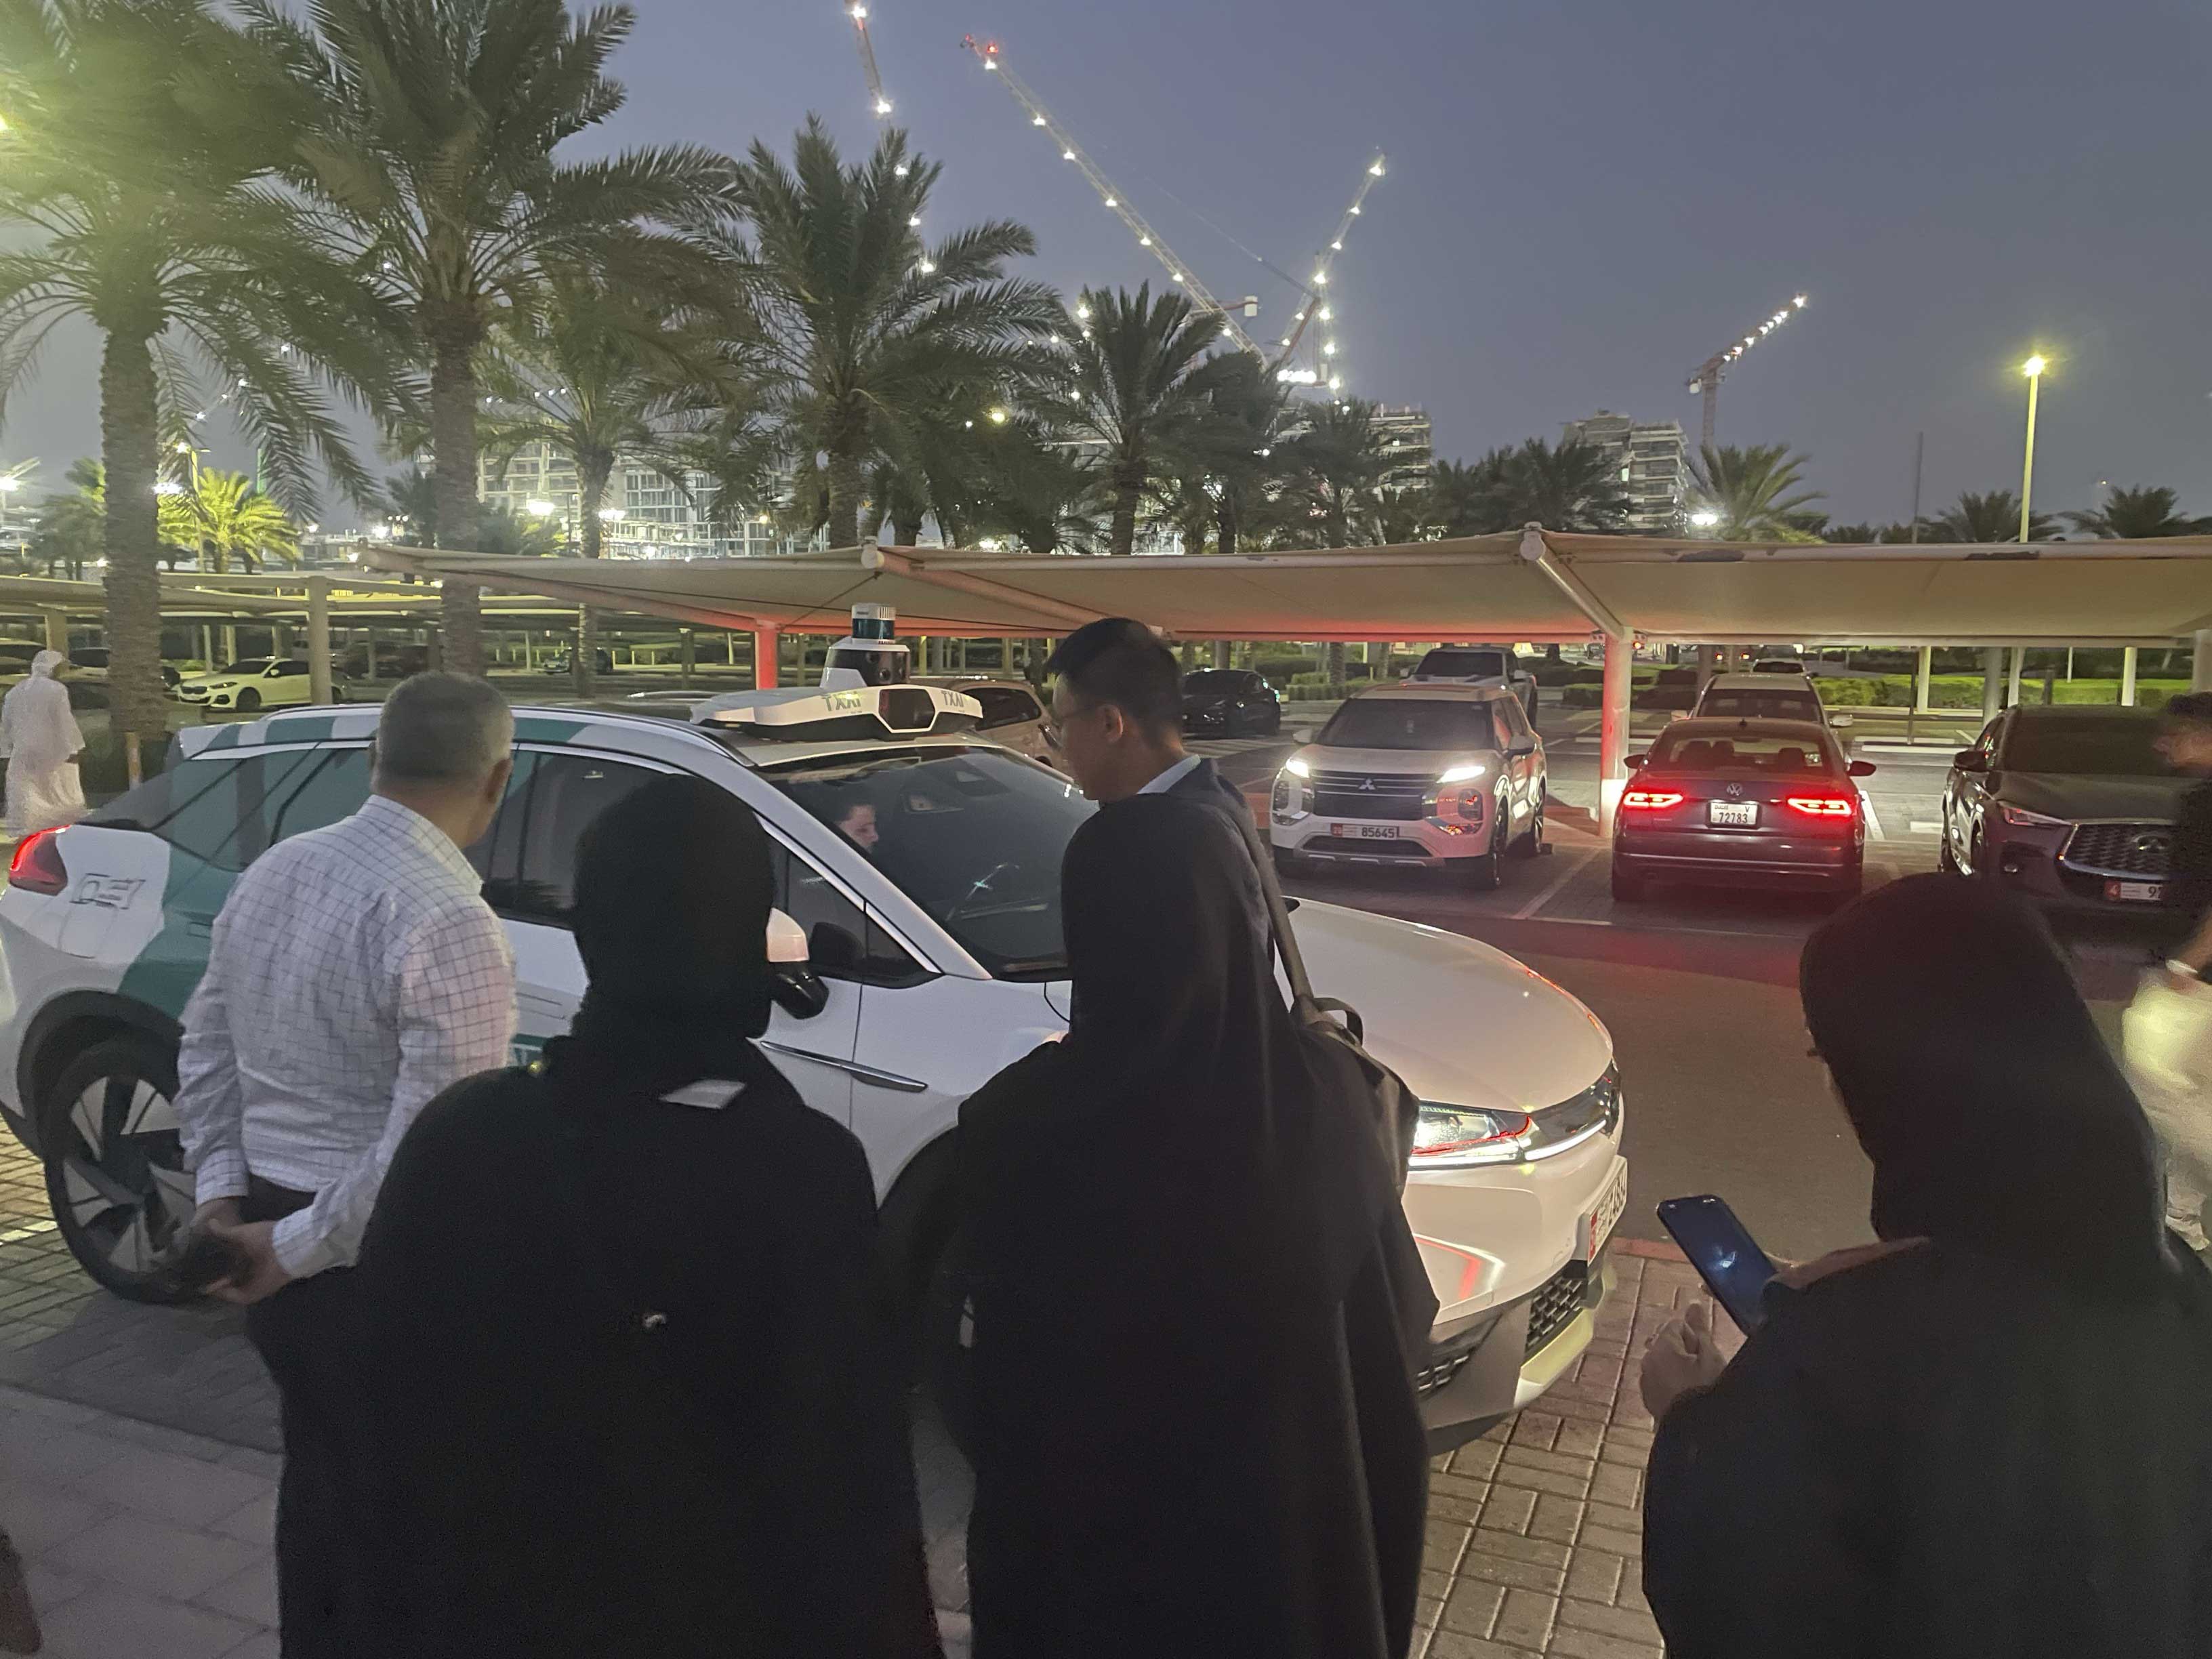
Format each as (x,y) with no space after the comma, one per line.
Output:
(1415,774)
(936,959)
(1766,695)
(1477,665)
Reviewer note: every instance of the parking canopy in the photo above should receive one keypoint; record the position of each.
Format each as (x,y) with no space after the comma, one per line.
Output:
(1534,584)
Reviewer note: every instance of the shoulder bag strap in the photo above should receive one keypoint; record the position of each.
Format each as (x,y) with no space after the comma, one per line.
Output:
(1279,916)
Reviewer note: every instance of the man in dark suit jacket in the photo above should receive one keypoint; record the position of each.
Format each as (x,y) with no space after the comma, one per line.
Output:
(1117,716)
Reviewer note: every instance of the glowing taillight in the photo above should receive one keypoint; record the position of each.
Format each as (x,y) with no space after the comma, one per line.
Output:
(1649,800)
(1821,806)
(37,866)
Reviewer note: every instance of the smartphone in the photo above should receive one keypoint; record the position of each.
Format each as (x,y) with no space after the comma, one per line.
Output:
(1728,1258)
(201,1261)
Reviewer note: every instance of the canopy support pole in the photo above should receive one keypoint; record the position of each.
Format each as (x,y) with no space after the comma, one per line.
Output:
(2128,676)
(2012,674)
(1920,676)
(319,639)
(765,641)
(1612,730)
(2200,671)
(1992,682)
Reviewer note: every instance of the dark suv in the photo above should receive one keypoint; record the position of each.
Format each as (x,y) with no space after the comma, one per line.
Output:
(1230,702)
(2070,806)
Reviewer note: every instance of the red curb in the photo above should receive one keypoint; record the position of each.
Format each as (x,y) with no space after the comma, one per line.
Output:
(1652,1250)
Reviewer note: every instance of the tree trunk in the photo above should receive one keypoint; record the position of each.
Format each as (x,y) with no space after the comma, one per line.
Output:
(129,441)
(592,475)
(453,457)
(845,487)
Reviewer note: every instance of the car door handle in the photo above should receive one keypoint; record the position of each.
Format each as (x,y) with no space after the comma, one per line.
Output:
(869,1074)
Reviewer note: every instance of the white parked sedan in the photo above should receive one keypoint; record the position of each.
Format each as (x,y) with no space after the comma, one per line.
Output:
(921,863)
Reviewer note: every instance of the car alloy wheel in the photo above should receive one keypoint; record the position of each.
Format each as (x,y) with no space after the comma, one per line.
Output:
(115,1164)
(249,700)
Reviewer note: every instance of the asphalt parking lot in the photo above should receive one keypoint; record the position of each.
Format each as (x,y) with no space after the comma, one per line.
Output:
(1698,988)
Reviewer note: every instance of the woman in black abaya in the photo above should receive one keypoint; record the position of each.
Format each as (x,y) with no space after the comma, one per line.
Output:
(633,1397)
(1195,1295)
(1990,1437)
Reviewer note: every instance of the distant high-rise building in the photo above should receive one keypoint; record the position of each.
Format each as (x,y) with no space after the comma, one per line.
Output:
(1409,443)
(1651,461)
(647,515)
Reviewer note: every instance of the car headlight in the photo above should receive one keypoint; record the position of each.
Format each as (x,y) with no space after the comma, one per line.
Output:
(1457,1137)
(2027,820)
(1461,774)
(1297,768)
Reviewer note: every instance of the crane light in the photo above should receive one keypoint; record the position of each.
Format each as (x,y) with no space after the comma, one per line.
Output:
(883,106)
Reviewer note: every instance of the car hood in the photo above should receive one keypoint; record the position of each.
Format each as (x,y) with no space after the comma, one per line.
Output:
(214,682)
(1463,1023)
(2075,795)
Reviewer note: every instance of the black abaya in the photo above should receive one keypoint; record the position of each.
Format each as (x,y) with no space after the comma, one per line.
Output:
(634,1396)
(1993,1445)
(1194,1297)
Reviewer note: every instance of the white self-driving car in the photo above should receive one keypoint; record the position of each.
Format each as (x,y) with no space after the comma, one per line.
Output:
(920,864)
(1434,775)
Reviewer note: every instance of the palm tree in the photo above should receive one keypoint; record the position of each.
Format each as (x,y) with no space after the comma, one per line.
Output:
(431,132)
(869,333)
(1336,466)
(1757,491)
(1571,487)
(1229,457)
(226,518)
(1140,384)
(70,526)
(410,501)
(1994,517)
(2145,510)
(134,170)
(599,374)
(1474,498)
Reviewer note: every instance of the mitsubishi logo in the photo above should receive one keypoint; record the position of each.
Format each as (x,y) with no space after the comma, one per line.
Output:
(1367,785)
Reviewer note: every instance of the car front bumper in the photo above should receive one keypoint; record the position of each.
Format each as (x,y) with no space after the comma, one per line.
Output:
(1409,841)
(1500,1361)
(2029,861)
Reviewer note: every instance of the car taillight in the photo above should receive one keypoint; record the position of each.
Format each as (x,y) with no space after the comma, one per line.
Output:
(1649,800)
(37,866)
(1821,806)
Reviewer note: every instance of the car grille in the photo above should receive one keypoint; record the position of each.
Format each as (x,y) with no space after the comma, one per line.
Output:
(1447,1359)
(1370,795)
(2119,849)
(1554,1307)
(1352,846)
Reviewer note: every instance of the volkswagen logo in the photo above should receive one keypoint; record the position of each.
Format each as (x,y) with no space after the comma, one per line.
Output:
(1735,792)
(2156,844)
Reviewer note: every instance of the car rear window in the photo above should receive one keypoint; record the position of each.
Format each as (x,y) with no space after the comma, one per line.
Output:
(1408,723)
(1761,705)
(1215,679)
(1463,665)
(1740,753)
(2092,746)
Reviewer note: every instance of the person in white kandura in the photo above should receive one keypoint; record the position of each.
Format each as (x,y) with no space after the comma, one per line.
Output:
(40,740)
(355,972)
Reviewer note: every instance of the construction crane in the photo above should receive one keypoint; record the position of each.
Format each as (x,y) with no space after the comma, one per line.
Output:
(859,13)
(1317,306)
(1707,376)
(988,54)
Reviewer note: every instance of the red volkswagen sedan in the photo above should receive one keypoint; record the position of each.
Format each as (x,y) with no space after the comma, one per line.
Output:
(1741,803)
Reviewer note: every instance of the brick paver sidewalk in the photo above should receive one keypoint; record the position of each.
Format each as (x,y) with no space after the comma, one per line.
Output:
(137,1473)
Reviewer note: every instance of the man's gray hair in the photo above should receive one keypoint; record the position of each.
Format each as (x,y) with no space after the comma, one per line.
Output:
(442,728)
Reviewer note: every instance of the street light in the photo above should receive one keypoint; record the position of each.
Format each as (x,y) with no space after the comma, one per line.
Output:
(2033,368)
(538,507)
(1706,519)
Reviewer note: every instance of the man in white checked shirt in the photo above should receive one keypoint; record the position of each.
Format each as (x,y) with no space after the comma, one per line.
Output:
(356,973)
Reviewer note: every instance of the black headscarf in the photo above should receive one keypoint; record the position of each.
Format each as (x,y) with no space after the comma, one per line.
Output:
(673,889)
(1996,1116)
(1218,1191)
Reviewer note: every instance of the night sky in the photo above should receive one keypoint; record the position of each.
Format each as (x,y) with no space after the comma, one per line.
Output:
(1586,197)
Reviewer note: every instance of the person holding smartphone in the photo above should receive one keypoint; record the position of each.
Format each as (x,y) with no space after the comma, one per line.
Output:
(1990,1432)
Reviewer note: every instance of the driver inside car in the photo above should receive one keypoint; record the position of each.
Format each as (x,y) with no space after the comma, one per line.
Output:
(857,824)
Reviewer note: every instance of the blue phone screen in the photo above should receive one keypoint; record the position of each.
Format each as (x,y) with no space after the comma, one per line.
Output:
(1726,1256)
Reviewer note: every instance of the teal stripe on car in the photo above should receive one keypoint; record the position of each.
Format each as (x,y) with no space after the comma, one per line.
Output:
(167,971)
(539,728)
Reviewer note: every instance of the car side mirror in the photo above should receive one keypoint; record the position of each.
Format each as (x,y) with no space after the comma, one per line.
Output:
(1521,751)
(796,988)
(1839,721)
(1860,768)
(1638,762)
(1970,760)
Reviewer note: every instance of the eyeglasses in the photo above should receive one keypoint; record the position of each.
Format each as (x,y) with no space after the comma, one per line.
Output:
(1056,726)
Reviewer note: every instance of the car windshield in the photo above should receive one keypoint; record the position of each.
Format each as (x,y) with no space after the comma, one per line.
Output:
(1747,754)
(1408,723)
(1463,665)
(1214,679)
(2101,748)
(974,837)
(250,665)
(1778,704)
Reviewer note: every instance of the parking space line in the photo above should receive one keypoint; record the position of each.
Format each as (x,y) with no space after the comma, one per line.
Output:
(1551,890)
(1873,818)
